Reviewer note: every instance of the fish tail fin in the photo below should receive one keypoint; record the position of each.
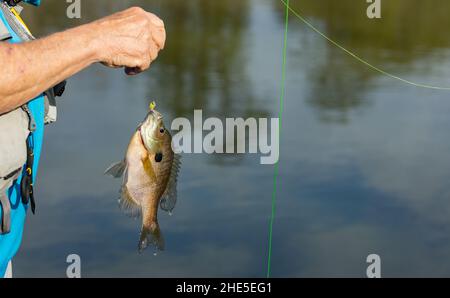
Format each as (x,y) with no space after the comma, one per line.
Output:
(151,235)
(116,170)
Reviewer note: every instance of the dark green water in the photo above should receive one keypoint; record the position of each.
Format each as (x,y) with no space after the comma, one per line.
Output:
(365,160)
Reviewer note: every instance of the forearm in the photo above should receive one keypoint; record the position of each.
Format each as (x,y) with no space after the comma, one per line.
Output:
(131,39)
(28,69)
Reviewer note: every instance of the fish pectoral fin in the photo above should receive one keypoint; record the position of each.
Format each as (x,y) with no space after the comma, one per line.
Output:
(148,168)
(127,204)
(151,235)
(117,169)
(169,197)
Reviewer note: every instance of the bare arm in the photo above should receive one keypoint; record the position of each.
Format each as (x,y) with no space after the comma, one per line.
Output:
(130,39)
(31,68)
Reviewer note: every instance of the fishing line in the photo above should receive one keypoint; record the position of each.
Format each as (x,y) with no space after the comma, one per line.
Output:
(280,117)
(361,60)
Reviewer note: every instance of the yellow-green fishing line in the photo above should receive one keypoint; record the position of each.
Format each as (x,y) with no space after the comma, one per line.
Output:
(377,69)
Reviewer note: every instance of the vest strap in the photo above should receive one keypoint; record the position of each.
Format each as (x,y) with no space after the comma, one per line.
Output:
(4,33)
(12,174)
(5,205)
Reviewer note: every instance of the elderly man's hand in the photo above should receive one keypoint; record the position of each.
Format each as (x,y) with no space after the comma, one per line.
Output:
(130,39)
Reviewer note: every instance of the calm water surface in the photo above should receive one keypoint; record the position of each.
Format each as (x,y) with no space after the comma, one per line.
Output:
(365,160)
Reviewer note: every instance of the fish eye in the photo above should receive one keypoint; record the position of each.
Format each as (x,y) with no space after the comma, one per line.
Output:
(161,130)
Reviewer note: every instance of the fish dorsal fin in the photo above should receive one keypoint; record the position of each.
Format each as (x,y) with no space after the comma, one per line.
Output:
(169,197)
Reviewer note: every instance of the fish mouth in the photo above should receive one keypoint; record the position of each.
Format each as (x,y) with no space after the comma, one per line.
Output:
(155,115)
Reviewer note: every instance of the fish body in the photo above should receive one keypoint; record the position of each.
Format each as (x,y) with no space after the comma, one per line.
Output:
(149,171)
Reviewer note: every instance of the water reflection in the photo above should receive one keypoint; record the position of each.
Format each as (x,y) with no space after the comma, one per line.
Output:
(211,59)
(377,183)
(406,33)
(203,66)
(333,94)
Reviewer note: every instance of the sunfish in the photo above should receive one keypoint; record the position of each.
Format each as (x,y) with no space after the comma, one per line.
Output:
(149,171)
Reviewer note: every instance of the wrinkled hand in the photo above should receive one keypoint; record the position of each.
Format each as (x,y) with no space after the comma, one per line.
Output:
(131,39)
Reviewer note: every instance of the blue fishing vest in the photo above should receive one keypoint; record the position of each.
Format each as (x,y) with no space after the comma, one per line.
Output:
(10,243)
